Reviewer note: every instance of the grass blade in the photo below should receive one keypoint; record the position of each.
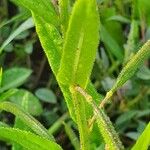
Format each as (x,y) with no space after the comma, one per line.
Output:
(143,141)
(72,136)
(24,26)
(27,140)
(32,123)
(129,70)
(115,49)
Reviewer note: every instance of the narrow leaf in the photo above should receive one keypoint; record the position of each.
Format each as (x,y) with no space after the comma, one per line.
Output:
(50,40)
(64,15)
(23,27)
(42,8)
(27,140)
(36,126)
(80,45)
(129,70)
(6,95)
(108,40)
(72,136)
(143,141)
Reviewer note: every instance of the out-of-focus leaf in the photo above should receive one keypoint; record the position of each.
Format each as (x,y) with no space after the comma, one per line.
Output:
(143,73)
(6,95)
(28,47)
(1,73)
(125,117)
(119,18)
(14,77)
(72,136)
(107,83)
(21,16)
(115,49)
(133,135)
(46,95)
(24,26)
(29,102)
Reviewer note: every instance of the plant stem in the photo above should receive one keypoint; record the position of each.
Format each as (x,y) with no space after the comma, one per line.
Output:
(81,119)
(107,130)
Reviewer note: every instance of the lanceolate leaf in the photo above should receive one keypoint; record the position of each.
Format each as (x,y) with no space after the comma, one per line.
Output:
(80,44)
(36,126)
(42,8)
(131,67)
(143,141)
(27,140)
(50,40)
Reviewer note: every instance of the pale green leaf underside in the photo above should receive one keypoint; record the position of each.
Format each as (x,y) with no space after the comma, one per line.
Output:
(27,140)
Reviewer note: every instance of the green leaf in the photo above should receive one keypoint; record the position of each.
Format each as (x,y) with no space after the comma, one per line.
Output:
(115,49)
(80,45)
(52,43)
(79,52)
(29,102)
(72,136)
(42,8)
(46,95)
(21,16)
(131,45)
(23,27)
(119,18)
(6,95)
(50,40)
(27,140)
(57,124)
(131,67)
(143,141)
(25,117)
(64,15)
(1,73)
(14,77)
